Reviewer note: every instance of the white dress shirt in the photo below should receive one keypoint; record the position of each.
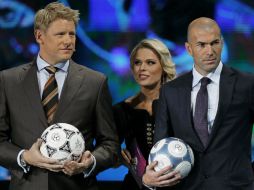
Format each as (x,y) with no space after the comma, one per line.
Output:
(213,92)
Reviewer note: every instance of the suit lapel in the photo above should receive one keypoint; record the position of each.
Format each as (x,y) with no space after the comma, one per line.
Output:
(185,92)
(227,82)
(71,85)
(31,88)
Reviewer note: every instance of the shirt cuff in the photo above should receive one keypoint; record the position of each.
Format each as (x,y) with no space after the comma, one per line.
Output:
(21,163)
(149,187)
(89,170)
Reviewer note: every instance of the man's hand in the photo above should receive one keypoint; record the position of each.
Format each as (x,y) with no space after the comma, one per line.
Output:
(74,167)
(33,157)
(162,178)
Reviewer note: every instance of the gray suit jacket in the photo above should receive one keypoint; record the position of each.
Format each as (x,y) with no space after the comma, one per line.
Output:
(85,103)
(225,164)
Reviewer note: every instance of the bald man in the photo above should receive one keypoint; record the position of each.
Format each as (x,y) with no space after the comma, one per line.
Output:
(211,108)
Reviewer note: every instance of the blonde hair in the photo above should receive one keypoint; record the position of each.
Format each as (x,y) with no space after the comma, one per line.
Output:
(162,52)
(52,12)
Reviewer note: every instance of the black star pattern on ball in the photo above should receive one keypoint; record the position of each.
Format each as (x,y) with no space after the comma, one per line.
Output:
(66,147)
(68,133)
(50,150)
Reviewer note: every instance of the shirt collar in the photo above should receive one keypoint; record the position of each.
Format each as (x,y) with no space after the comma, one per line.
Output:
(41,64)
(214,75)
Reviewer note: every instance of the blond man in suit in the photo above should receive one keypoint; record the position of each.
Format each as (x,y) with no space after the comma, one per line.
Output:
(81,98)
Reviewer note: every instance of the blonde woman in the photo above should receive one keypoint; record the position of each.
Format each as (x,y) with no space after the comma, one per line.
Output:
(151,65)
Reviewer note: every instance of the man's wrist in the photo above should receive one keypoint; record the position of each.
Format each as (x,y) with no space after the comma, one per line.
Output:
(148,186)
(21,161)
(89,170)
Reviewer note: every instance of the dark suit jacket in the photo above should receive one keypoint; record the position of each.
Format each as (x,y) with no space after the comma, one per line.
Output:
(225,164)
(85,103)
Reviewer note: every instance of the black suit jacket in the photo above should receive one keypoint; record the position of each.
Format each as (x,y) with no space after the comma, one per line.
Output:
(85,103)
(225,164)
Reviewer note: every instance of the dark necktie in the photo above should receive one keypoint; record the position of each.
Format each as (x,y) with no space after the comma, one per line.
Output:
(50,94)
(201,110)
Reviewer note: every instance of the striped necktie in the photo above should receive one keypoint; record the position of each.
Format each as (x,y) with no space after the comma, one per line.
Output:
(50,94)
(201,110)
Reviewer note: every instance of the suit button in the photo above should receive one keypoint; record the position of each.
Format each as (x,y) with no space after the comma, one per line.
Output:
(206,176)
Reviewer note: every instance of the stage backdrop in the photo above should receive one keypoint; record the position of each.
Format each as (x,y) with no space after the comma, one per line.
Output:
(109,29)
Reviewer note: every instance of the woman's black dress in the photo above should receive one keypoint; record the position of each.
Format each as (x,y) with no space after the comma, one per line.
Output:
(136,128)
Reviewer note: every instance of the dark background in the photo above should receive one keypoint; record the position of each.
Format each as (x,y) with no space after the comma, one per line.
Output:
(109,29)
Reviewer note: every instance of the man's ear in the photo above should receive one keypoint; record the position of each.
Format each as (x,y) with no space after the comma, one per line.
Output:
(38,36)
(188,48)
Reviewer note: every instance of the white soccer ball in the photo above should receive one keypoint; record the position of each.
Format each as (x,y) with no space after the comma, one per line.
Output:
(62,141)
(172,152)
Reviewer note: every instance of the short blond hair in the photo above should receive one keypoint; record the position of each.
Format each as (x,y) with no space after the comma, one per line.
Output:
(52,12)
(163,54)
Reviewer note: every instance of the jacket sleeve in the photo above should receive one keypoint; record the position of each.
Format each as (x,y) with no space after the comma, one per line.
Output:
(107,143)
(162,118)
(9,151)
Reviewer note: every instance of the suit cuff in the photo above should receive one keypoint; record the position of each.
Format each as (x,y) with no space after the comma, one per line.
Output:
(89,170)
(149,187)
(22,163)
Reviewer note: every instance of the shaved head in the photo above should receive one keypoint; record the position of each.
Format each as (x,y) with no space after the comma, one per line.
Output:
(204,44)
(202,23)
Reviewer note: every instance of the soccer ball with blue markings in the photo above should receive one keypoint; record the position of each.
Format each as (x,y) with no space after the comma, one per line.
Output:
(62,141)
(172,152)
